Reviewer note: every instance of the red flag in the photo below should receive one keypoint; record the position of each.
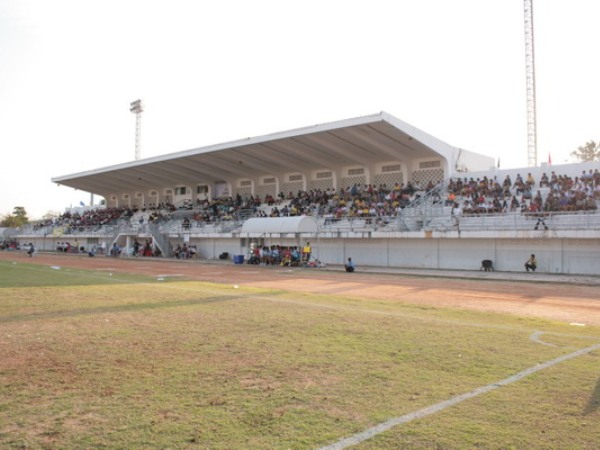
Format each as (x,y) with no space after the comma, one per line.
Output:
(549,159)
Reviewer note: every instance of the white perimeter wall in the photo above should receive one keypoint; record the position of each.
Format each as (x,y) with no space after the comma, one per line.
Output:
(577,256)
(556,255)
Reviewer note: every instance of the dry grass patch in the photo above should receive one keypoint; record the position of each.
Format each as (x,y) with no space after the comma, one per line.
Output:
(130,362)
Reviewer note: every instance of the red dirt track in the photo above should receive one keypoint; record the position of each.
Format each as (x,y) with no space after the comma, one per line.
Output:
(564,302)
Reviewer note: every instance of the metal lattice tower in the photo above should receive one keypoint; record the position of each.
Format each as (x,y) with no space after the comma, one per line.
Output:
(137,108)
(530,86)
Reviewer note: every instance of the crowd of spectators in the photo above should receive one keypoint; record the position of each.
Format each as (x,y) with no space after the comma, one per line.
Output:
(9,244)
(376,204)
(359,200)
(98,217)
(184,251)
(554,193)
(279,255)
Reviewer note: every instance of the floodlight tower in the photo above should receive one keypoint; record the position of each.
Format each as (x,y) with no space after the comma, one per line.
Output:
(137,108)
(530,86)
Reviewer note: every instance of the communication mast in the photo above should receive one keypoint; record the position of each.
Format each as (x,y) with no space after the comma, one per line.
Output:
(137,108)
(530,86)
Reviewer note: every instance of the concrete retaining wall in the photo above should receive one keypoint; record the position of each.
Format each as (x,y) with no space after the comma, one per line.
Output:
(571,256)
(555,255)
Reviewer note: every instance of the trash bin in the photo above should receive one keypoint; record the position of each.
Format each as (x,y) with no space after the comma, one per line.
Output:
(238,259)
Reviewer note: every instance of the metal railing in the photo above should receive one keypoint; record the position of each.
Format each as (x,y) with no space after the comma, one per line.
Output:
(422,214)
(524,221)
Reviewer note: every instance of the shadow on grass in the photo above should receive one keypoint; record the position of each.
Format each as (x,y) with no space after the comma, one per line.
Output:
(22,275)
(594,402)
(116,309)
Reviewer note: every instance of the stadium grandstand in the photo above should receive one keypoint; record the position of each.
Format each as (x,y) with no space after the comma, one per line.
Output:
(372,188)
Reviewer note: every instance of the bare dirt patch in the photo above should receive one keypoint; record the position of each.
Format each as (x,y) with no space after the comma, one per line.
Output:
(563,302)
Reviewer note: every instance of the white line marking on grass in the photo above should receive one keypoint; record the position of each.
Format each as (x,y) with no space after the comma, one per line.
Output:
(387,425)
(319,305)
(384,426)
(535,337)
(404,315)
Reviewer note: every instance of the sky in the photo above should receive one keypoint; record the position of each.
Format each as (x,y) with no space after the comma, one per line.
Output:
(210,72)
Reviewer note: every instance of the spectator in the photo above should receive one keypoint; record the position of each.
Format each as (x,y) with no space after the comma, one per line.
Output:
(115,250)
(349,266)
(531,263)
(540,223)
(136,247)
(306,252)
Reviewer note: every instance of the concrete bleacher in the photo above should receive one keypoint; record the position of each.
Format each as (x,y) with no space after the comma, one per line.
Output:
(425,212)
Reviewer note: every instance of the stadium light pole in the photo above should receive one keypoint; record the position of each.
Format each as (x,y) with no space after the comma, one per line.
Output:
(532,153)
(136,108)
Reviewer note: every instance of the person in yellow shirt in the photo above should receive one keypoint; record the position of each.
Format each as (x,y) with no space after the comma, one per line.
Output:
(306,251)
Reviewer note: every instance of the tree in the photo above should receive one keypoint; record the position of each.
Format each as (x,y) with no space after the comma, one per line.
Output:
(587,153)
(16,219)
(20,213)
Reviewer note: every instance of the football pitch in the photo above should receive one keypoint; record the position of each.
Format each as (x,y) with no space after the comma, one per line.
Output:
(117,360)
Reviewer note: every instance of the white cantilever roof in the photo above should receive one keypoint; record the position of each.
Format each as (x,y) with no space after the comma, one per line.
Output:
(279,225)
(359,141)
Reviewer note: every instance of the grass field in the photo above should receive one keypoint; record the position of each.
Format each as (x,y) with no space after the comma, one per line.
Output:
(92,359)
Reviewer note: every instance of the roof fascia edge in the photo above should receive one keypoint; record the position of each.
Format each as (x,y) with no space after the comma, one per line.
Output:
(435,144)
(444,149)
(228,145)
